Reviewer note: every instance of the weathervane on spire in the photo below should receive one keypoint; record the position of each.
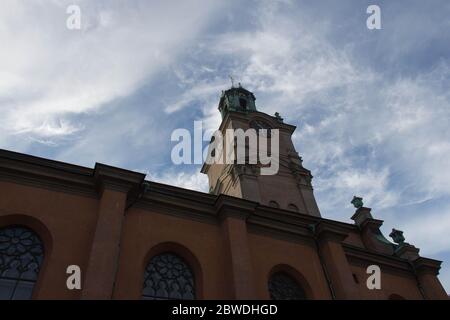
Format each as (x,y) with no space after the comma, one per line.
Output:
(232,80)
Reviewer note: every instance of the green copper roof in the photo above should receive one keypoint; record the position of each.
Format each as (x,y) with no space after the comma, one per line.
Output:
(237,99)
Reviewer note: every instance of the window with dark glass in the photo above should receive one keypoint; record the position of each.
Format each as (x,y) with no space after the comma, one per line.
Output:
(21,256)
(213,151)
(284,287)
(167,276)
(243,103)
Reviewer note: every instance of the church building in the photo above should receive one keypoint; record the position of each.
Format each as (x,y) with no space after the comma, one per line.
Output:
(252,236)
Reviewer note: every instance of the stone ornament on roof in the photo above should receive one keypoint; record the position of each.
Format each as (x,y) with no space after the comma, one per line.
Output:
(397,236)
(357,202)
(278,117)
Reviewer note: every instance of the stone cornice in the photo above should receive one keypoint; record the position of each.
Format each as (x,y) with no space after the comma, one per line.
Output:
(180,209)
(165,189)
(279,226)
(366,256)
(46,174)
(179,202)
(426,265)
(227,206)
(64,177)
(117,179)
(371,223)
(329,232)
(252,114)
(407,251)
(23,159)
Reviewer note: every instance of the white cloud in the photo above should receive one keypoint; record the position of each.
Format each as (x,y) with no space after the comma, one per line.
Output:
(188,180)
(48,71)
(428,231)
(360,131)
(200,92)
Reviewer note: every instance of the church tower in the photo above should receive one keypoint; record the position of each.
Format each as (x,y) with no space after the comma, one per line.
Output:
(289,188)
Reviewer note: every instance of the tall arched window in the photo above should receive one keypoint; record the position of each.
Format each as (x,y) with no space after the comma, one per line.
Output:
(243,103)
(167,276)
(284,287)
(21,255)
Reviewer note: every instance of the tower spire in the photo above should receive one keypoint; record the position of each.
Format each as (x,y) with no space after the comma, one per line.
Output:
(289,187)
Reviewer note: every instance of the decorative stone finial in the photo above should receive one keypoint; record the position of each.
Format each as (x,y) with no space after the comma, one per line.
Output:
(279,118)
(397,236)
(357,202)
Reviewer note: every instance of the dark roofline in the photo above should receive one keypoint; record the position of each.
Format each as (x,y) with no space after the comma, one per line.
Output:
(44,162)
(65,177)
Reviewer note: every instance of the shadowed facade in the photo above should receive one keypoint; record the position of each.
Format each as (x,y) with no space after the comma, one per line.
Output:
(251,237)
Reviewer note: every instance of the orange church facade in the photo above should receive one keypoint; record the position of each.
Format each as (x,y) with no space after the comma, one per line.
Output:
(112,223)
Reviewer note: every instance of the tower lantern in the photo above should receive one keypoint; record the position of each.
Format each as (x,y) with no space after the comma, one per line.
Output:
(237,99)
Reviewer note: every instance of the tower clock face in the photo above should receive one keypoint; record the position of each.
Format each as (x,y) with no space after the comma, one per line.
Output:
(258,125)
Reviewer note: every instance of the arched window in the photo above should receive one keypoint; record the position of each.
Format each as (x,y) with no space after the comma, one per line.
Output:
(167,276)
(284,287)
(273,204)
(292,207)
(243,103)
(21,255)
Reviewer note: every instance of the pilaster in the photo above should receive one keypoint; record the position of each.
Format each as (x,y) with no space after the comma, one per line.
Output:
(427,271)
(233,214)
(114,185)
(330,245)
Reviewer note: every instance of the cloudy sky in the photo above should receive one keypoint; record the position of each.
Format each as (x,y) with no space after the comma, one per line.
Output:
(372,107)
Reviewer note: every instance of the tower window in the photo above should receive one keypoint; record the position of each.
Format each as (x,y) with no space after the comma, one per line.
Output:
(21,256)
(213,151)
(292,207)
(167,276)
(243,103)
(283,287)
